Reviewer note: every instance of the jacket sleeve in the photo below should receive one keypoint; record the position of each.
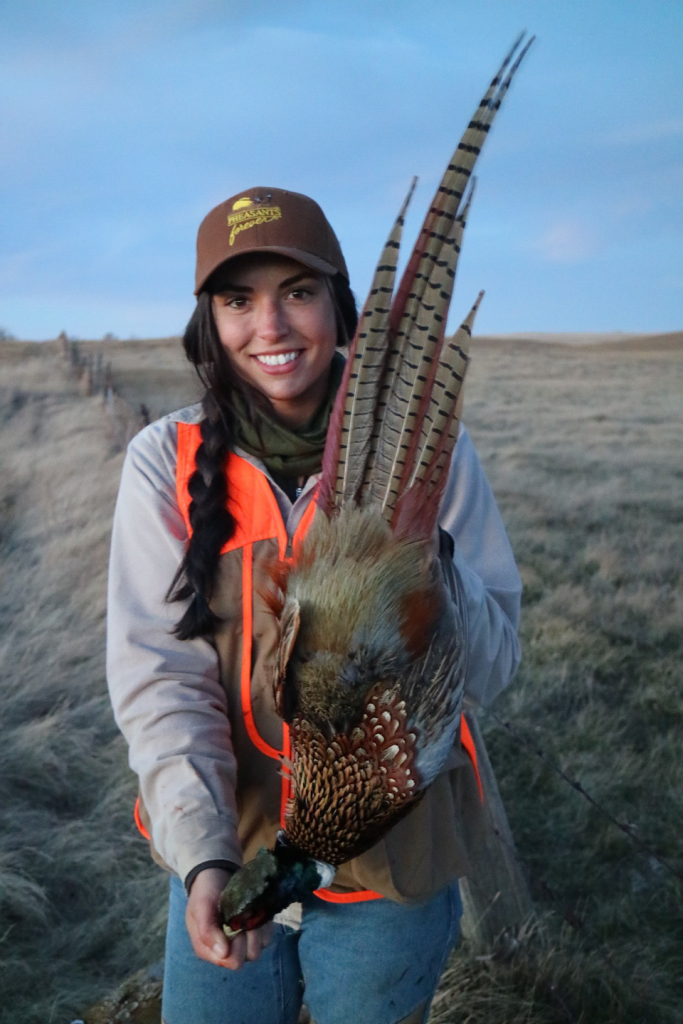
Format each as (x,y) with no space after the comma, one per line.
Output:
(166,693)
(484,560)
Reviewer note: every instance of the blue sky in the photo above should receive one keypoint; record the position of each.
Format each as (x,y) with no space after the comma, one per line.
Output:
(122,123)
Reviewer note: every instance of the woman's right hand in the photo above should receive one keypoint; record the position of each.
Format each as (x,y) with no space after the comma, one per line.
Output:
(204,925)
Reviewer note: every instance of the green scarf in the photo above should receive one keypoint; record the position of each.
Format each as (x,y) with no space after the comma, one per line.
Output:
(286,452)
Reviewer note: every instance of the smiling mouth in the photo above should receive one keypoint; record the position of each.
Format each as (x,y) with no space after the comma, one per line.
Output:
(280,359)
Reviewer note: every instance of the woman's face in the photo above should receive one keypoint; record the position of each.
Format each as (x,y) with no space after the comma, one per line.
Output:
(276,320)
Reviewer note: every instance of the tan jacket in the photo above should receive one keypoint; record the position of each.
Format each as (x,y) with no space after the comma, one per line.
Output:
(212,784)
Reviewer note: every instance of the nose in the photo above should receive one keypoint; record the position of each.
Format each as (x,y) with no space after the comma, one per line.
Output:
(272,324)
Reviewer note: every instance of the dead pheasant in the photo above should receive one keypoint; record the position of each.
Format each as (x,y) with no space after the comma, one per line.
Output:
(370,669)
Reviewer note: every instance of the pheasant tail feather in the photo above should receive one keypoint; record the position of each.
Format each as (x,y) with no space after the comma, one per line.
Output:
(421,306)
(413,384)
(417,506)
(353,417)
(396,418)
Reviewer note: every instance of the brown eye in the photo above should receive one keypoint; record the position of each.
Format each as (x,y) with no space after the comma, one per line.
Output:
(303,294)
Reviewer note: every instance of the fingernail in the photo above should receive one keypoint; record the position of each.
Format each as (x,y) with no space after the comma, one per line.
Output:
(220,950)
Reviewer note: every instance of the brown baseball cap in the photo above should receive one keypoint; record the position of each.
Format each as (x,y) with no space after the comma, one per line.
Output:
(267,220)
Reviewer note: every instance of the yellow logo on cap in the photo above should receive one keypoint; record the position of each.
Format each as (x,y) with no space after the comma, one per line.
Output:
(248,216)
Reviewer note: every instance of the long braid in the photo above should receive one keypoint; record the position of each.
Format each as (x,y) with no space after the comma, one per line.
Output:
(212,524)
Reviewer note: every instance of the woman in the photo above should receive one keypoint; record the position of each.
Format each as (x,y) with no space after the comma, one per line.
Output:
(205,494)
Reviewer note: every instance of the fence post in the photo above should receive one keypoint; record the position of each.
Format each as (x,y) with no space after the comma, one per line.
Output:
(86,379)
(63,344)
(495,894)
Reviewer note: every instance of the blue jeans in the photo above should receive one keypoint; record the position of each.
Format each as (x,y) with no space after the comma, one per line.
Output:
(374,962)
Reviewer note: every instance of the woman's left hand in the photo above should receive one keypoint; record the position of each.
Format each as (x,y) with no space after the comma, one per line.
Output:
(204,925)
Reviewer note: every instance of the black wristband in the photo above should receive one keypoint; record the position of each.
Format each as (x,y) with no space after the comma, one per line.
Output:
(226,865)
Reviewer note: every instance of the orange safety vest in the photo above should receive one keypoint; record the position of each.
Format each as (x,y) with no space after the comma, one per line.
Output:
(257,516)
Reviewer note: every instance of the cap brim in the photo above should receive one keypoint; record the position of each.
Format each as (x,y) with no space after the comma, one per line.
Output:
(300,255)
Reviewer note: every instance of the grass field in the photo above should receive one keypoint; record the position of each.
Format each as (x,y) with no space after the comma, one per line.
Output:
(583,448)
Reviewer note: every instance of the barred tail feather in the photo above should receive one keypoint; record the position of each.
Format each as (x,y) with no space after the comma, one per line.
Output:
(417,507)
(441,426)
(368,365)
(348,436)
(412,382)
(396,419)
(413,387)
(425,409)
(445,204)
(437,234)
(440,423)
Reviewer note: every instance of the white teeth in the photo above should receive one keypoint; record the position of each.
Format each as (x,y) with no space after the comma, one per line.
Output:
(278,360)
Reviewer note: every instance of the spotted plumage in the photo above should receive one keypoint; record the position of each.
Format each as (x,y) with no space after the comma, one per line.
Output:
(358,782)
(375,673)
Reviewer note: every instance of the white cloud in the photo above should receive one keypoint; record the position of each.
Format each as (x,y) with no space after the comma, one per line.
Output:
(655,131)
(568,240)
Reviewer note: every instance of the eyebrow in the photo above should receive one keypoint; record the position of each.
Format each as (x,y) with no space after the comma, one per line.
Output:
(287,283)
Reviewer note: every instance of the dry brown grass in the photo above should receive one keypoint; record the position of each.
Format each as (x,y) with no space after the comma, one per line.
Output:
(155,373)
(583,450)
(582,447)
(74,878)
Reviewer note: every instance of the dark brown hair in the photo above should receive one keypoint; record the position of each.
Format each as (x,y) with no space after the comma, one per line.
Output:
(212,524)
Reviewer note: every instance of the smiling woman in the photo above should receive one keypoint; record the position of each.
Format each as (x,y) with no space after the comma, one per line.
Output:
(213,500)
(277,287)
(276,320)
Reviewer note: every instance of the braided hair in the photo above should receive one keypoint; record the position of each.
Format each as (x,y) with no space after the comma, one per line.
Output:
(212,523)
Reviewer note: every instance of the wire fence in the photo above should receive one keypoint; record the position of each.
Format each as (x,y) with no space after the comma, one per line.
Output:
(95,377)
(577,924)
(624,827)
